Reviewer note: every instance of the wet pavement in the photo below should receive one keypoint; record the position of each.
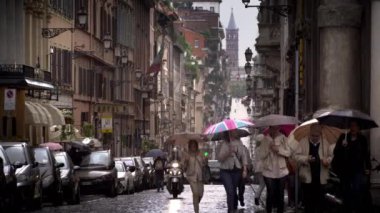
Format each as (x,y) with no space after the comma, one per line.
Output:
(214,201)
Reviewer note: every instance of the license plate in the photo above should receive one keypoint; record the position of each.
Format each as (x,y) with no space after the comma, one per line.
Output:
(175,180)
(86,183)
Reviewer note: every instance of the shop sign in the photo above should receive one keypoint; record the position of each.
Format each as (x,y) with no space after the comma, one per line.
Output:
(106,124)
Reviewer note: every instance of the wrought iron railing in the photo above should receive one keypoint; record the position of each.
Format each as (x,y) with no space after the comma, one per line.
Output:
(20,70)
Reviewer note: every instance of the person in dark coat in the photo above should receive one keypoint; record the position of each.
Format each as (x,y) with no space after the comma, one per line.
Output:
(159,167)
(352,165)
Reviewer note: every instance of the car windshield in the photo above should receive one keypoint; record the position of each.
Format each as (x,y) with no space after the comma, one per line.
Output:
(41,156)
(129,162)
(96,159)
(3,157)
(62,159)
(15,154)
(119,167)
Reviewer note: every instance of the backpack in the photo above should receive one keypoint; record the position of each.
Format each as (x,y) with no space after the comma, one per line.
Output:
(159,165)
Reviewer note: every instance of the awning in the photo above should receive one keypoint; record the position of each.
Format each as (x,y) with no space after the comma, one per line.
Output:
(56,114)
(47,114)
(42,115)
(25,83)
(31,115)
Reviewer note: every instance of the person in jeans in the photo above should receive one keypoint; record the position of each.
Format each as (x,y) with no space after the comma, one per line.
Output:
(193,163)
(314,155)
(243,180)
(233,165)
(159,173)
(273,156)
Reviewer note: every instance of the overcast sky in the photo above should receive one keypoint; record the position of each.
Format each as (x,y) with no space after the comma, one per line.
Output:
(246,21)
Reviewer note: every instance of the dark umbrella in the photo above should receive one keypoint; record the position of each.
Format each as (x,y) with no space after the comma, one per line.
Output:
(155,153)
(342,118)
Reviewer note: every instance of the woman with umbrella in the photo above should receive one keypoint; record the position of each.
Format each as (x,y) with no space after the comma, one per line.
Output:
(352,165)
(233,166)
(273,155)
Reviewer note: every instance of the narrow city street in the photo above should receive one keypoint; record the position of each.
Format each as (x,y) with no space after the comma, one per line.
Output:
(214,201)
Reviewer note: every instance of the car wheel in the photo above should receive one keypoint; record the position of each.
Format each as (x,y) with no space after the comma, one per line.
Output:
(120,188)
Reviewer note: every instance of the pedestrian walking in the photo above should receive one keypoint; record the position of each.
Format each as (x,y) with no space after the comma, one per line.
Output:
(352,164)
(193,164)
(233,165)
(314,155)
(258,170)
(243,180)
(273,156)
(159,167)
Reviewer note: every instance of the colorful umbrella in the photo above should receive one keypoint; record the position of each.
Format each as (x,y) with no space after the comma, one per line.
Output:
(227,125)
(52,146)
(284,129)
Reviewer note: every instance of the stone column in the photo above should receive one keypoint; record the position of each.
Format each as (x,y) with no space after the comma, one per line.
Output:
(375,83)
(339,22)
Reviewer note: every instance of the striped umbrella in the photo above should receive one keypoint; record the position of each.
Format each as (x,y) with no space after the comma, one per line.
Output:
(227,125)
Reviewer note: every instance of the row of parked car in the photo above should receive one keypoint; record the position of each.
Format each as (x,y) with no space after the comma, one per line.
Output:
(39,175)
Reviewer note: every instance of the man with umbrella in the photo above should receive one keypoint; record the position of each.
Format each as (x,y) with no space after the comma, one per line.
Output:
(314,154)
(352,165)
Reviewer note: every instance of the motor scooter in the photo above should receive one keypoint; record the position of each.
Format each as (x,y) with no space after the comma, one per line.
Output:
(175,179)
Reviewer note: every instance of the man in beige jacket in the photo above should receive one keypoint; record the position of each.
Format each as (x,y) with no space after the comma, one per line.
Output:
(314,155)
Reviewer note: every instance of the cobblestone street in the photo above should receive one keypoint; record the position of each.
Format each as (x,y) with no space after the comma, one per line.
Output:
(151,201)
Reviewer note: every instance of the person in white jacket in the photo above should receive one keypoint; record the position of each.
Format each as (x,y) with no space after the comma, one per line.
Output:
(314,155)
(273,155)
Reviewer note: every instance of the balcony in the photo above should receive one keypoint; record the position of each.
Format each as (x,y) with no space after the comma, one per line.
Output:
(25,77)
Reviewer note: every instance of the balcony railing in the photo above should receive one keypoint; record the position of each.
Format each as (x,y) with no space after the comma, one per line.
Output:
(20,70)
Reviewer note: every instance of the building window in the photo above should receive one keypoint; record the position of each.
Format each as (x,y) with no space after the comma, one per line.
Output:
(64,8)
(212,9)
(61,66)
(198,8)
(196,43)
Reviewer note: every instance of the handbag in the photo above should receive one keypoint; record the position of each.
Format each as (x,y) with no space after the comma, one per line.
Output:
(291,165)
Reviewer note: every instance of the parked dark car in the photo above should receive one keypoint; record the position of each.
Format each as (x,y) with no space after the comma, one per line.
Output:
(149,161)
(132,164)
(69,177)
(8,182)
(50,174)
(29,184)
(97,172)
(145,171)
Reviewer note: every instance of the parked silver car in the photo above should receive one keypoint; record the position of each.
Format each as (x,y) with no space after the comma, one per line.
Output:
(125,180)
(214,169)
(137,174)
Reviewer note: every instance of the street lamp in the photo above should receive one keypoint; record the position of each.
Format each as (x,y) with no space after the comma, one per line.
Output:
(138,74)
(248,54)
(248,68)
(82,16)
(107,41)
(282,10)
(124,59)
(53,32)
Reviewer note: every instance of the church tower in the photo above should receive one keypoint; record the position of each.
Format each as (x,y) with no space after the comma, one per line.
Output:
(232,47)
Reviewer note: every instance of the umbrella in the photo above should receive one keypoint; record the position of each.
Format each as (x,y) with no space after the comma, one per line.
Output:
(284,129)
(184,137)
(331,134)
(92,142)
(155,153)
(342,118)
(227,125)
(240,133)
(276,120)
(52,146)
